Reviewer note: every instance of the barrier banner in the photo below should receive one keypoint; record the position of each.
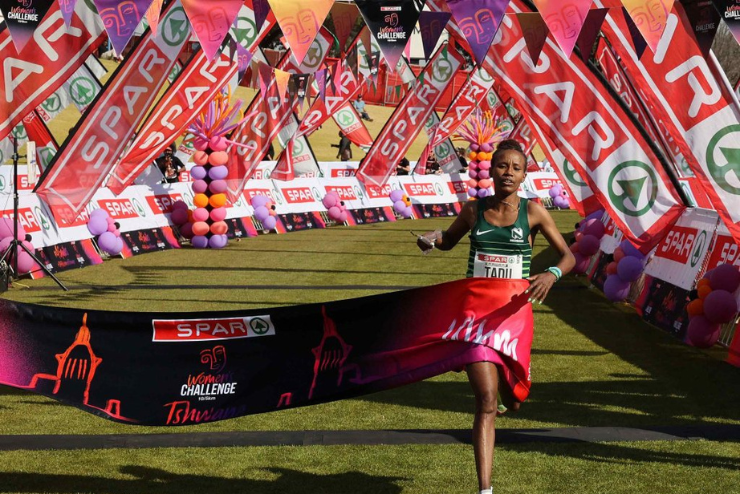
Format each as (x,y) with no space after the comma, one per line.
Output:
(148,240)
(724,249)
(368,216)
(696,105)
(213,366)
(594,133)
(86,159)
(66,256)
(679,257)
(51,56)
(409,117)
(664,305)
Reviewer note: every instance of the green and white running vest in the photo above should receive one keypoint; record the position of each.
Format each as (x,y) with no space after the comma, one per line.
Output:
(500,251)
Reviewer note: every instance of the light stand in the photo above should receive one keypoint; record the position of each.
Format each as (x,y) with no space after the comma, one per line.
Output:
(12,249)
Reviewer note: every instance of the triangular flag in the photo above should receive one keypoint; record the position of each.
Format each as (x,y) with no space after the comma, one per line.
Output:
(729,10)
(281,79)
(320,76)
(300,24)
(29,15)
(344,16)
(534,31)
(590,31)
(637,40)
(650,20)
(152,15)
(367,42)
(211,22)
(261,10)
(243,59)
(121,19)
(703,18)
(265,76)
(391,23)
(431,25)
(479,20)
(565,22)
(67,7)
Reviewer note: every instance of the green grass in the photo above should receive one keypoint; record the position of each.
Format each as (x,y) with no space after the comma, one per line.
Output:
(593,364)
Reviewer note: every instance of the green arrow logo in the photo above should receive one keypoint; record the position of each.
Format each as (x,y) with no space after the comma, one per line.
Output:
(19,132)
(633,188)
(244,31)
(39,215)
(175,27)
(314,56)
(82,90)
(46,155)
(443,150)
(698,248)
(259,326)
(52,103)
(723,159)
(297,147)
(572,175)
(138,207)
(345,118)
(442,70)
(2,181)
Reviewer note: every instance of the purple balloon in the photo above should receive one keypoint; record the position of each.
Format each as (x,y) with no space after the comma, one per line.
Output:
(261,213)
(595,215)
(199,241)
(702,333)
(179,216)
(99,213)
(330,200)
(615,288)
(396,195)
(198,173)
(217,187)
(270,223)
(561,202)
(631,250)
(486,147)
(218,241)
(582,263)
(472,192)
(720,306)
(588,245)
(474,147)
(200,186)
(186,230)
(483,193)
(218,172)
(108,243)
(725,277)
(594,227)
(555,190)
(472,173)
(399,206)
(97,225)
(408,213)
(629,268)
(259,201)
(179,204)
(484,174)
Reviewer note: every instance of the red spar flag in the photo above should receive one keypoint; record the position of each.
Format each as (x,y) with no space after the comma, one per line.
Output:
(89,154)
(594,133)
(350,123)
(51,56)
(409,117)
(696,106)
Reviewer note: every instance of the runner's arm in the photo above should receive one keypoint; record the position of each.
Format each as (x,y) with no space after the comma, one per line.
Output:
(446,240)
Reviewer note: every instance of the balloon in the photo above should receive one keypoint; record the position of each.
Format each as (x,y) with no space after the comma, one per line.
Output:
(720,306)
(582,263)
(396,195)
(218,158)
(703,291)
(616,289)
(200,158)
(218,241)
(475,166)
(342,217)
(629,268)
(4,244)
(630,250)
(200,214)
(472,192)
(200,200)
(270,223)
(594,227)
(26,263)
(217,187)
(108,242)
(611,268)
(406,200)
(219,228)
(334,213)
(260,200)
(484,174)
(217,200)
(218,172)
(199,242)
(702,333)
(703,282)
(474,147)
(485,183)
(331,200)
(472,155)
(179,204)
(561,202)
(574,247)
(588,245)
(218,214)
(200,144)
(578,236)
(6,229)
(618,254)
(472,173)
(486,147)
(186,230)
(483,193)
(472,183)
(595,215)
(99,213)
(555,191)
(200,228)
(399,206)
(261,213)
(695,308)
(198,173)
(179,216)
(408,213)
(97,225)
(218,143)
(484,165)
(200,186)
(725,277)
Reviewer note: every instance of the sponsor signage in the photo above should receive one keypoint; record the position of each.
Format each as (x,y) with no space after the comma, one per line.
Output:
(189,330)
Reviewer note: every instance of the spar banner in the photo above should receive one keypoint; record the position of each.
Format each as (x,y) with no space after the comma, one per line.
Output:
(38,132)
(51,56)
(523,135)
(391,23)
(344,90)
(88,156)
(351,125)
(167,369)
(724,249)
(679,257)
(594,133)
(23,17)
(409,117)
(697,107)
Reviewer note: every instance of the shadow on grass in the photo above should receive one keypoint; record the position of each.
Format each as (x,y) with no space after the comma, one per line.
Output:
(153,480)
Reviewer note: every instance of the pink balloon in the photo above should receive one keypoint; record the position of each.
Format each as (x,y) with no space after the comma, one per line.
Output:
(200,186)
(472,173)
(6,229)
(486,147)
(200,214)
(218,214)
(335,212)
(483,174)
(217,187)
(484,165)
(342,217)
(582,263)
(200,144)
(725,277)
(702,333)
(4,244)
(473,166)
(26,264)
(594,227)
(218,143)
(720,306)
(330,200)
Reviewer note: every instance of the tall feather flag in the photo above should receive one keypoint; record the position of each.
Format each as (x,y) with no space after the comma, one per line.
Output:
(300,22)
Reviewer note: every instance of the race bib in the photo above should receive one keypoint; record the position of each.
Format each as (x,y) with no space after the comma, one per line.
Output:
(497,266)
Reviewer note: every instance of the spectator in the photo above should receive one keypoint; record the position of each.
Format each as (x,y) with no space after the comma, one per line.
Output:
(170,165)
(403,167)
(345,147)
(463,161)
(359,105)
(433,167)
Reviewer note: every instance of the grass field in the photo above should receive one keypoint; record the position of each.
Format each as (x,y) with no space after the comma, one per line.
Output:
(593,364)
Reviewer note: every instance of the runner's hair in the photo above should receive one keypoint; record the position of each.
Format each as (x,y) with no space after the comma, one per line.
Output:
(509,145)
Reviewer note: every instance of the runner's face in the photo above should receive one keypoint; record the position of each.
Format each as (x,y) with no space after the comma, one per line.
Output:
(508,171)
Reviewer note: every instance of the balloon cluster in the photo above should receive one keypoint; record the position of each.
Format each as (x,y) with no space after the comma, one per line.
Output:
(25,262)
(265,211)
(105,228)
(402,204)
(559,197)
(335,207)
(479,170)
(628,265)
(712,305)
(588,240)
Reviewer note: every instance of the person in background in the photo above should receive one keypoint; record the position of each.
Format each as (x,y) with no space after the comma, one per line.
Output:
(403,167)
(463,161)
(170,165)
(359,105)
(345,147)
(433,167)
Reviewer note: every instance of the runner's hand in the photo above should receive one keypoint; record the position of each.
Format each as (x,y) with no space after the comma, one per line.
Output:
(426,242)
(539,286)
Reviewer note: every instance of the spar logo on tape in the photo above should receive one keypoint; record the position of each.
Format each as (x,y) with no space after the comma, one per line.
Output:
(26,219)
(184,330)
(681,244)
(345,192)
(298,195)
(119,208)
(162,204)
(421,189)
